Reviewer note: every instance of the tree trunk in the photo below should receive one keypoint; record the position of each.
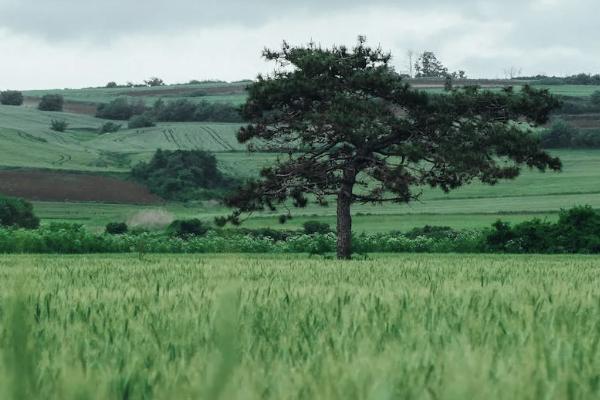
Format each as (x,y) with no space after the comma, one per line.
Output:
(344,218)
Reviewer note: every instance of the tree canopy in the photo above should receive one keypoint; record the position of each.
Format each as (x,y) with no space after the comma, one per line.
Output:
(350,128)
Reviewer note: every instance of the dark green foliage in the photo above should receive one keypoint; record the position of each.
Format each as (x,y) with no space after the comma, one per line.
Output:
(120,109)
(116,228)
(17,213)
(311,227)
(112,85)
(560,134)
(141,121)
(188,227)
(347,119)
(183,175)
(153,82)
(433,232)
(11,98)
(110,127)
(428,66)
(51,102)
(595,98)
(578,105)
(59,125)
(185,111)
(577,231)
(563,135)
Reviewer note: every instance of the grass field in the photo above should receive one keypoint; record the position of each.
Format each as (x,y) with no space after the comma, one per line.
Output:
(27,142)
(262,327)
(532,195)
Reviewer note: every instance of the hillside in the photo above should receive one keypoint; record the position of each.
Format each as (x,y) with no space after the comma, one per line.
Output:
(27,143)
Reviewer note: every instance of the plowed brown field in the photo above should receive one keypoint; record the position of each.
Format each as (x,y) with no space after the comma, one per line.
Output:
(60,186)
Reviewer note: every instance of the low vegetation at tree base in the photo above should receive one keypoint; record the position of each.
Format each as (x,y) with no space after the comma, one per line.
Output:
(183,175)
(275,327)
(17,213)
(11,98)
(51,102)
(576,231)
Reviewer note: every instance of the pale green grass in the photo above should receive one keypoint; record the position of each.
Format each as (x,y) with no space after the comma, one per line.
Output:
(272,327)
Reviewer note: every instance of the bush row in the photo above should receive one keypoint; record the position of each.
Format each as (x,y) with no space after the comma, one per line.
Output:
(563,135)
(576,231)
(174,111)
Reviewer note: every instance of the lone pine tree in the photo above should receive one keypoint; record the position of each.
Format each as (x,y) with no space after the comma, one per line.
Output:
(349,127)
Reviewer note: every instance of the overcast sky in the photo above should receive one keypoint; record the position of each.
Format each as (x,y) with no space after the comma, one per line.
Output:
(78,43)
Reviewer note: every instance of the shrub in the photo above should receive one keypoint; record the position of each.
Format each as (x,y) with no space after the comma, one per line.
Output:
(111,85)
(59,125)
(578,230)
(116,228)
(187,228)
(11,98)
(595,98)
(141,121)
(184,110)
(559,135)
(586,138)
(120,109)
(110,127)
(312,227)
(51,102)
(152,82)
(17,213)
(183,175)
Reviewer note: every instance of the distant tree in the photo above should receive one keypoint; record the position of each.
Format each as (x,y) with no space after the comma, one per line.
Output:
(11,98)
(183,175)
(353,130)
(187,228)
(51,102)
(152,82)
(595,98)
(559,135)
(512,72)
(448,84)
(120,109)
(17,213)
(111,85)
(59,125)
(145,120)
(428,66)
(109,127)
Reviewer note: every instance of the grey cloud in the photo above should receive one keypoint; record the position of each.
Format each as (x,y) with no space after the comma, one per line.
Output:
(73,19)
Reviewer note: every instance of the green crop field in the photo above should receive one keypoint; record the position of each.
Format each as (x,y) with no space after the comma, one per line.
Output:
(274,327)
(211,92)
(532,195)
(27,142)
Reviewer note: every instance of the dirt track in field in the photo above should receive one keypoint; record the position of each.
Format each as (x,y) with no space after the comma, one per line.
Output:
(62,186)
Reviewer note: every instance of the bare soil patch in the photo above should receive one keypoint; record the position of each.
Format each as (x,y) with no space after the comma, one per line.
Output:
(64,186)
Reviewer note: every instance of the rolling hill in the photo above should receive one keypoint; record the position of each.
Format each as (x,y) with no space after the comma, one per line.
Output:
(27,145)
